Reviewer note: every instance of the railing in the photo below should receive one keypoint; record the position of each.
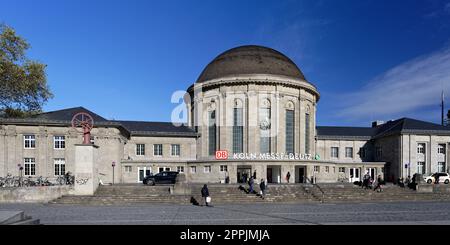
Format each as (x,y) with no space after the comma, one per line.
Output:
(315,185)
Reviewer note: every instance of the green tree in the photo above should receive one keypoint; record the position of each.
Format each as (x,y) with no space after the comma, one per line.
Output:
(23,82)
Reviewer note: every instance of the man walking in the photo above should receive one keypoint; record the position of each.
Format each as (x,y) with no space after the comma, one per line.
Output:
(205,194)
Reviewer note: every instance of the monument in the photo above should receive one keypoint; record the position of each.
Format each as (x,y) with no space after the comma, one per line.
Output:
(86,172)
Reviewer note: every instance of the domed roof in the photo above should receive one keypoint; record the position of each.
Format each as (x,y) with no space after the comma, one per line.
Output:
(247,60)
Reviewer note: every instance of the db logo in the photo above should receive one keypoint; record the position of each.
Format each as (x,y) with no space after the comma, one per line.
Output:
(221,155)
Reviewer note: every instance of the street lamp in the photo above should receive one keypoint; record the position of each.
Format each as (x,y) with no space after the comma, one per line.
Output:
(113,165)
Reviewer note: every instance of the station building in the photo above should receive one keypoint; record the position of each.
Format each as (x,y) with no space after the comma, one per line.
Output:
(252,103)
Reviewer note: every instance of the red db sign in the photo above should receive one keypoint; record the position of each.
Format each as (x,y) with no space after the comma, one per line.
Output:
(221,155)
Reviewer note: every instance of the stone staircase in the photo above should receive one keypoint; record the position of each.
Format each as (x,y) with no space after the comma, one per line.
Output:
(16,218)
(336,193)
(233,194)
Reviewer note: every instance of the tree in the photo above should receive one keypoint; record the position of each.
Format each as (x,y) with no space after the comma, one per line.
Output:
(23,82)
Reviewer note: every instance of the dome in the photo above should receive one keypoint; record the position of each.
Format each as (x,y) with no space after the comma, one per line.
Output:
(247,60)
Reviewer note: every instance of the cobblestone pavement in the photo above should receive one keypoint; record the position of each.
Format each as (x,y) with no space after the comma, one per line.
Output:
(302,214)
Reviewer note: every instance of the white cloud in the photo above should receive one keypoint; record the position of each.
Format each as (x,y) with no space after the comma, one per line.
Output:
(407,89)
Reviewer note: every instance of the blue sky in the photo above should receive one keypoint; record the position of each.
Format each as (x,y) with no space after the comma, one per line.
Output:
(370,59)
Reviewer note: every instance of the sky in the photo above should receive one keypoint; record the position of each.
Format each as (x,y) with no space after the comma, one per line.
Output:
(123,59)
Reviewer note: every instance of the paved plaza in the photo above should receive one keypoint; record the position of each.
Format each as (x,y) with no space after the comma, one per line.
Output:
(406,213)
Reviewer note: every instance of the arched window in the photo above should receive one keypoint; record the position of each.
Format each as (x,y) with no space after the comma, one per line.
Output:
(238,127)
(265,121)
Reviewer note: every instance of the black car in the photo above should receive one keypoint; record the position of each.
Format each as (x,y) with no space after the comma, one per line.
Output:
(161,178)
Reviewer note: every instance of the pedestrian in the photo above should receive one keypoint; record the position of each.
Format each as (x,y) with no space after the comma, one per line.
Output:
(205,194)
(378,187)
(250,183)
(262,186)
(288,176)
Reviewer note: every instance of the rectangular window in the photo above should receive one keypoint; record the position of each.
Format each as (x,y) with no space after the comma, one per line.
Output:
(317,169)
(59,142)
(265,126)
(128,169)
(60,166)
(207,169)
(140,150)
(362,152)
(441,149)
(30,166)
(341,170)
(335,152)
(29,141)
(223,168)
(193,169)
(212,144)
(421,148)
(238,131)
(441,167)
(307,133)
(157,150)
(180,169)
(290,127)
(349,152)
(421,167)
(176,150)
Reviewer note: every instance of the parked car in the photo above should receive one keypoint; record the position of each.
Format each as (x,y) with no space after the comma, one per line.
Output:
(161,178)
(443,178)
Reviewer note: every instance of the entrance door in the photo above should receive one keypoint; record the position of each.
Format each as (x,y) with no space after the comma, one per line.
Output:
(301,175)
(354,175)
(269,175)
(244,174)
(143,172)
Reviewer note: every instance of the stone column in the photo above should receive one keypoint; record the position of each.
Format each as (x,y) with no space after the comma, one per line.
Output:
(86,171)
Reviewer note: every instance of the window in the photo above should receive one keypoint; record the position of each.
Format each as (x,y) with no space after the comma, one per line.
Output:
(180,169)
(157,150)
(30,166)
(207,169)
(223,168)
(307,132)
(327,169)
(265,125)
(175,150)
(128,169)
(238,131)
(421,148)
(341,170)
(140,150)
(421,167)
(335,152)
(362,152)
(317,169)
(441,149)
(29,141)
(441,167)
(193,169)
(59,142)
(212,133)
(379,152)
(290,124)
(60,166)
(349,152)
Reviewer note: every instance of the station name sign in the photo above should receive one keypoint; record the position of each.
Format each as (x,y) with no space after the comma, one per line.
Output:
(223,155)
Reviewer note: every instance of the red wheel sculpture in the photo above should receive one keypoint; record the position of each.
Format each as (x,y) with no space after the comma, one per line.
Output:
(86,122)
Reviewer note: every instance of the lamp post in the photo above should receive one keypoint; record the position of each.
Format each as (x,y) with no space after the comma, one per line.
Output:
(20,174)
(113,165)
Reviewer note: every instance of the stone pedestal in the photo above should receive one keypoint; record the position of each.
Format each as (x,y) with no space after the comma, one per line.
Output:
(181,187)
(86,171)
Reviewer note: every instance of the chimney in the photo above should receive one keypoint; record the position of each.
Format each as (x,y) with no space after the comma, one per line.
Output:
(378,123)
